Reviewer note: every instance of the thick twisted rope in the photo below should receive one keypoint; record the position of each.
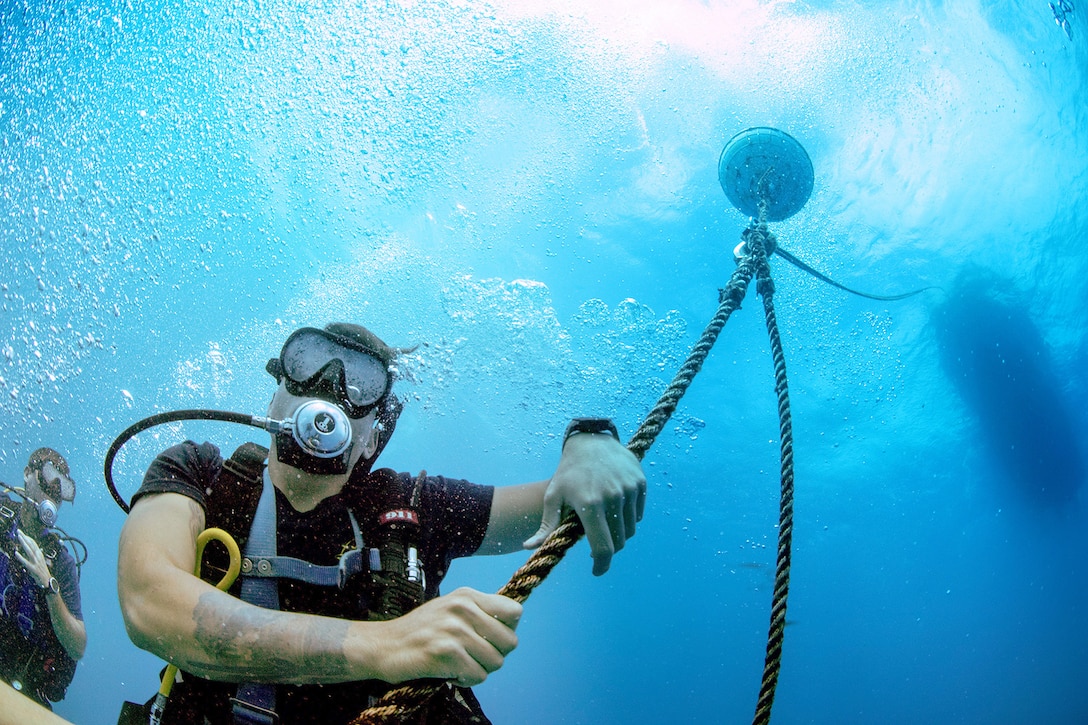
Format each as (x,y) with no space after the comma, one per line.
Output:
(404,702)
(757,243)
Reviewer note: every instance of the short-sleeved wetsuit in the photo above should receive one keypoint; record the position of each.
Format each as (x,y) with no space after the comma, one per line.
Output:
(453,520)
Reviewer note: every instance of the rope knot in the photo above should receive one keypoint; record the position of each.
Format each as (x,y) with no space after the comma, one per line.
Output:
(758,235)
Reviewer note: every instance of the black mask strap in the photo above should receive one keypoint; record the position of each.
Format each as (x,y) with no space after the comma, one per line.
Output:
(388,414)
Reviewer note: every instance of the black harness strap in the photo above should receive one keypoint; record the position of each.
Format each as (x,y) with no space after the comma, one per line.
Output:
(233,506)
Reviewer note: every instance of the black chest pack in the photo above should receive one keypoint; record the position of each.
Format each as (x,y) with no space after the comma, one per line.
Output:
(382,565)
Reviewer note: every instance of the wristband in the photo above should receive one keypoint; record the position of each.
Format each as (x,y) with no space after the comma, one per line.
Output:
(590,425)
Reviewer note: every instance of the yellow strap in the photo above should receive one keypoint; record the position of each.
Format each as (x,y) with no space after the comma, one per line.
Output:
(224,584)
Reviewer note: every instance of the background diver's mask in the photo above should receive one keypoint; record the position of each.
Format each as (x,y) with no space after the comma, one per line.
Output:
(350,382)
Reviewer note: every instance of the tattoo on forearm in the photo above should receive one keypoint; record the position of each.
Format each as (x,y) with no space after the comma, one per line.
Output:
(248,642)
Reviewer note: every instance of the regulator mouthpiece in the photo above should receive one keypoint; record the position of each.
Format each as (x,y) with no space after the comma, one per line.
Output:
(45,510)
(47,513)
(319,438)
(320,428)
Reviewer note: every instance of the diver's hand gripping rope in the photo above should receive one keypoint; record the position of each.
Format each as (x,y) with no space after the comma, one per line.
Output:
(168,677)
(401,703)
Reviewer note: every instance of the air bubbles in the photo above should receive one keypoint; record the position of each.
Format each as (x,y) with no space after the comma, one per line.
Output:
(688,425)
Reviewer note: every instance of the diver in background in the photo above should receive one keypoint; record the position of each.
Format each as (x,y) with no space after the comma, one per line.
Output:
(42,634)
(354,557)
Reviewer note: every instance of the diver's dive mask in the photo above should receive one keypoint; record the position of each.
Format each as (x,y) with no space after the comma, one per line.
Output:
(350,382)
(315,363)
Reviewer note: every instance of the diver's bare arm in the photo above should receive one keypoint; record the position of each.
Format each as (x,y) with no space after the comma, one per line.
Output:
(70,631)
(18,709)
(168,611)
(186,621)
(515,516)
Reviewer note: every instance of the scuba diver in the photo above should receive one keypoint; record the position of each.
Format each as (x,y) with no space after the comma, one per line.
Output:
(339,594)
(42,634)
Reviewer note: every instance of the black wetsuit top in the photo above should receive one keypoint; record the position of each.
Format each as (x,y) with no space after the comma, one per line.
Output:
(453,516)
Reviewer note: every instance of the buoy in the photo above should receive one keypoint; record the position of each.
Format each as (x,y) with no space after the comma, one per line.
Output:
(763,164)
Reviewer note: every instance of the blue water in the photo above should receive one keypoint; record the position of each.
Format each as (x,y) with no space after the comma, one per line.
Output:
(528,191)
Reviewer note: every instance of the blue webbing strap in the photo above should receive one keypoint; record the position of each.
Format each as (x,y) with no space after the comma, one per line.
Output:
(255,702)
(286,567)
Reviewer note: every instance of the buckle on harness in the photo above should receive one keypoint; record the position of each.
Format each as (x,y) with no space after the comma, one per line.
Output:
(6,512)
(250,714)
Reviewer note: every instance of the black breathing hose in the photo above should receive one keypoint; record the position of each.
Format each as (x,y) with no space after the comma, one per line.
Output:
(823,277)
(161,419)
